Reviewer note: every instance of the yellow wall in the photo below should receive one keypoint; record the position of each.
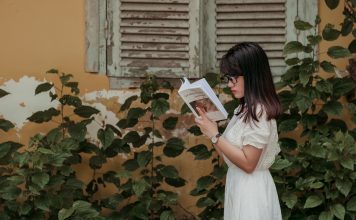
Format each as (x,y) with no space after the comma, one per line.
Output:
(42,34)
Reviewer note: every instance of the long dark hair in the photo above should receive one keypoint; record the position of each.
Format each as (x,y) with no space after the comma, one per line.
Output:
(249,60)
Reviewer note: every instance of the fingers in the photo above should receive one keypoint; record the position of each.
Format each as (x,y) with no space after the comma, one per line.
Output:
(201,112)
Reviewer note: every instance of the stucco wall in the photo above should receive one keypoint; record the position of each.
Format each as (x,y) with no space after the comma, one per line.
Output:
(44,34)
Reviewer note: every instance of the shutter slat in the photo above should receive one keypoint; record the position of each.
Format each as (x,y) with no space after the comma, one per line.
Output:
(250,8)
(154,7)
(156,1)
(155,31)
(270,54)
(147,63)
(251,15)
(250,23)
(248,1)
(250,31)
(155,15)
(265,46)
(153,23)
(260,38)
(155,54)
(272,62)
(154,38)
(154,46)
(159,72)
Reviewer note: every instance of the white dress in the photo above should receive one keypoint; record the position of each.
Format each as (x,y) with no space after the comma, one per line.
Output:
(252,196)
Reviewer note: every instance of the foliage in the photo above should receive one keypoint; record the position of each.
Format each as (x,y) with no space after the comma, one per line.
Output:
(315,173)
(39,181)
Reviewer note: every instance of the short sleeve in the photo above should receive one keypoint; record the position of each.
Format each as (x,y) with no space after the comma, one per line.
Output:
(257,134)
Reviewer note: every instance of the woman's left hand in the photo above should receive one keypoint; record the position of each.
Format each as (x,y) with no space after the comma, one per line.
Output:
(207,127)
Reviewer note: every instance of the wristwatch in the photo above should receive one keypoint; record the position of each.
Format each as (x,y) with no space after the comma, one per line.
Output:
(214,139)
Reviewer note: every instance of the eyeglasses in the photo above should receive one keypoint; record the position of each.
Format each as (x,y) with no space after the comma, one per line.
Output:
(227,78)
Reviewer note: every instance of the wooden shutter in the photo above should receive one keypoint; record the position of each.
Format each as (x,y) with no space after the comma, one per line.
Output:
(261,21)
(152,36)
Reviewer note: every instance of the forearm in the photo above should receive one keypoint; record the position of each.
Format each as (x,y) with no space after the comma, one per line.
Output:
(245,158)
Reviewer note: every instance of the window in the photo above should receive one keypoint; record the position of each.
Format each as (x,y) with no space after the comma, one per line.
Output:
(173,38)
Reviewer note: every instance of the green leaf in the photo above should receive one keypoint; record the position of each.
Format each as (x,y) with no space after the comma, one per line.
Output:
(128,103)
(288,143)
(40,179)
(324,86)
(159,107)
(200,152)
(302,25)
(326,215)
(333,108)
(176,182)
(329,33)
(280,164)
(338,52)
(167,215)
(314,40)
(204,202)
(327,66)
(130,165)
(342,86)
(290,199)
(347,26)
(96,161)
(348,163)
(86,111)
(8,147)
(293,47)
(73,87)
(174,147)
(338,210)
(204,182)
(351,204)
(352,46)
(170,123)
(106,137)
(3,93)
(140,186)
(195,130)
(332,4)
(70,100)
(135,113)
(344,186)
(313,201)
(131,137)
(287,125)
(6,125)
(44,87)
(169,172)
(144,157)
(293,61)
(44,116)
(42,202)
(65,213)
(304,77)
(54,71)
(78,131)
(10,192)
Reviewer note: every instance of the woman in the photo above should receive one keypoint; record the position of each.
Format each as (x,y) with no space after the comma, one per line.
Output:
(250,142)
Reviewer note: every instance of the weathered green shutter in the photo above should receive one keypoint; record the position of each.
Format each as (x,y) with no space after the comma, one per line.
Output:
(156,36)
(261,21)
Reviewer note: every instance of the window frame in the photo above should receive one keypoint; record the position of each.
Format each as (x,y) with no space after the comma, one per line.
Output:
(100,27)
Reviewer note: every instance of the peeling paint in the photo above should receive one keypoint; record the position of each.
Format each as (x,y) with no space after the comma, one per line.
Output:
(22,102)
(107,94)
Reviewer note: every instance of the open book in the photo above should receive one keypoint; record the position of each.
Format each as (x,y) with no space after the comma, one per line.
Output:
(200,94)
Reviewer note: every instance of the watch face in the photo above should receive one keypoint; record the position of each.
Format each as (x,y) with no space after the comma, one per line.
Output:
(214,139)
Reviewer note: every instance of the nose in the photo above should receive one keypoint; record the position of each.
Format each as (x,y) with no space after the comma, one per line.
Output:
(230,84)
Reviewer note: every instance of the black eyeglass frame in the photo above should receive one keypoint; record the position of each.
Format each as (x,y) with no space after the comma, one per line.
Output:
(229,78)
